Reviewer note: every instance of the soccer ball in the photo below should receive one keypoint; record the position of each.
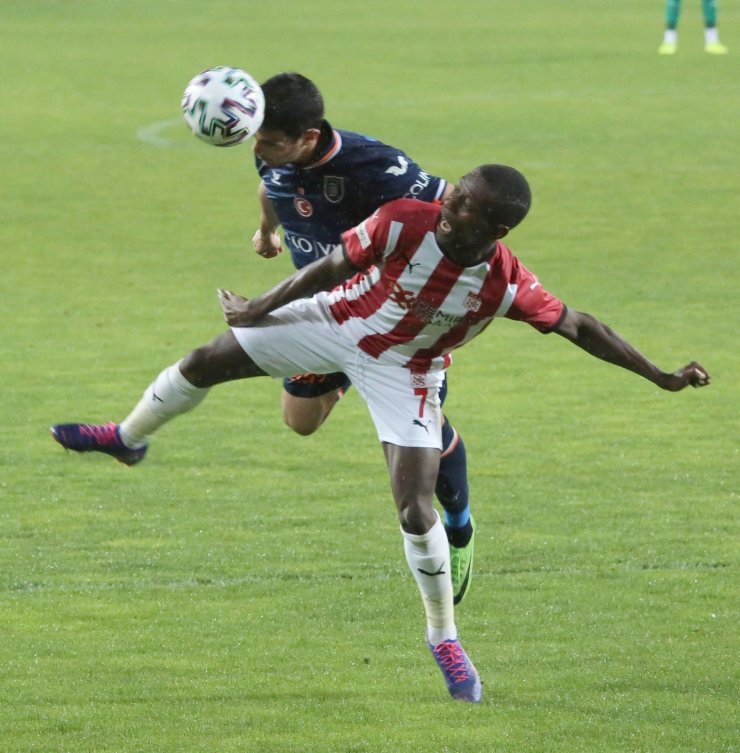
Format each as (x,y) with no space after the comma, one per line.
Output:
(223,106)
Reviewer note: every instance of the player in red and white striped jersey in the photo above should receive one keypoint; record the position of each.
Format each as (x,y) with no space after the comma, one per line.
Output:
(422,305)
(430,279)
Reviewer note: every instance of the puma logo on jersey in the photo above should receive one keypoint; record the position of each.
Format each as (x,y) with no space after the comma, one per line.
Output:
(423,425)
(398,171)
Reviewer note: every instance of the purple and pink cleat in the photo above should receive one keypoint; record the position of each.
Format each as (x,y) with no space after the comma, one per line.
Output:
(104,438)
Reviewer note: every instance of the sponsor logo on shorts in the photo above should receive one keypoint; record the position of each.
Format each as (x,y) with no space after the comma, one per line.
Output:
(425,426)
(418,380)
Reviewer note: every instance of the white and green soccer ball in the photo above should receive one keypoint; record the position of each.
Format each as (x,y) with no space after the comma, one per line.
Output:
(223,106)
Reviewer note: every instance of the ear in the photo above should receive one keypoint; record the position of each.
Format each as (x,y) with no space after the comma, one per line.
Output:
(311,136)
(501,231)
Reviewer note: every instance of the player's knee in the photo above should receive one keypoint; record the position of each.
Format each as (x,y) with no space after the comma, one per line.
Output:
(301,423)
(416,517)
(197,367)
(305,415)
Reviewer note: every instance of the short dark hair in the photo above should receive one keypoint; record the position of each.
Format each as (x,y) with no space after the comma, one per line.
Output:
(511,196)
(293,104)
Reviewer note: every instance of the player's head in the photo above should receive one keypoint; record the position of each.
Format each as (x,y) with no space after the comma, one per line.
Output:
(294,112)
(293,104)
(509,196)
(487,202)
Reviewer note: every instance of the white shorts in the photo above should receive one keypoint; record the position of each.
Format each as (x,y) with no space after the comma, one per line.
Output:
(303,337)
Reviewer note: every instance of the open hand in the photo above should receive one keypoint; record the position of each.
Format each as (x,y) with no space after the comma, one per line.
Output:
(693,374)
(236,309)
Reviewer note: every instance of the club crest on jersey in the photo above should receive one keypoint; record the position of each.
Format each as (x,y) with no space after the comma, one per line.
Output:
(333,188)
(303,206)
(418,380)
(472,302)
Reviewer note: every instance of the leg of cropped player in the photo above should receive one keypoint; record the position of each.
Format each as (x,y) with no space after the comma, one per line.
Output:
(712,45)
(670,35)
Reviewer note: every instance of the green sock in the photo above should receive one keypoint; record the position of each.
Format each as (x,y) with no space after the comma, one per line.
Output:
(709,9)
(672,12)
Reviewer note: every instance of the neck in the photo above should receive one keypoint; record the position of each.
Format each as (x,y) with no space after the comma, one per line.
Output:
(466,256)
(321,144)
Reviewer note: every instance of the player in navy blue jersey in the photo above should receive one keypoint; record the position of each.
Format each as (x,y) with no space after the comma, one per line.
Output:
(351,176)
(316,183)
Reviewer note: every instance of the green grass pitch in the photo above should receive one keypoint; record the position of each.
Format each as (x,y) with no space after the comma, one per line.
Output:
(244,589)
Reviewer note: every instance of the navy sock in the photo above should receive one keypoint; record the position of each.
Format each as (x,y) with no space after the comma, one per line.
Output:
(452,486)
(459,537)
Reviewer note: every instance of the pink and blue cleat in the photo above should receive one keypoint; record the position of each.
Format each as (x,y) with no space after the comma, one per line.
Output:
(104,438)
(461,677)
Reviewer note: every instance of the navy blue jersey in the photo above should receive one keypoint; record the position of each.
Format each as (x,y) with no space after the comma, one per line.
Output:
(349,180)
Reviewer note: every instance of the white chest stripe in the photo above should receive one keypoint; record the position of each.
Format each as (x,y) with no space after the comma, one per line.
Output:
(393,232)
(507,300)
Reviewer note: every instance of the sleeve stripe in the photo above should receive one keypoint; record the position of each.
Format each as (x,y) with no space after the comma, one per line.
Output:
(394,233)
(440,189)
(507,300)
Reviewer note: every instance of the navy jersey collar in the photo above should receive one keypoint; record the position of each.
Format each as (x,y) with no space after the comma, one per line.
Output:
(330,142)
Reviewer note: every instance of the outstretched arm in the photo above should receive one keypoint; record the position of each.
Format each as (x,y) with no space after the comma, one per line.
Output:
(596,338)
(321,275)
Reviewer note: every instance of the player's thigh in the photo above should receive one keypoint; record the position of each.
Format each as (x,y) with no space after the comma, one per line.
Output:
(221,360)
(294,339)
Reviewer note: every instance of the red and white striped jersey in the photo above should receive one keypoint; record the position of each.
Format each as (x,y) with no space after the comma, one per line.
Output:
(412,306)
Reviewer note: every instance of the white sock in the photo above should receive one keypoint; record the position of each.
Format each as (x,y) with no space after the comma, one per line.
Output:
(670,36)
(428,556)
(169,395)
(711,35)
